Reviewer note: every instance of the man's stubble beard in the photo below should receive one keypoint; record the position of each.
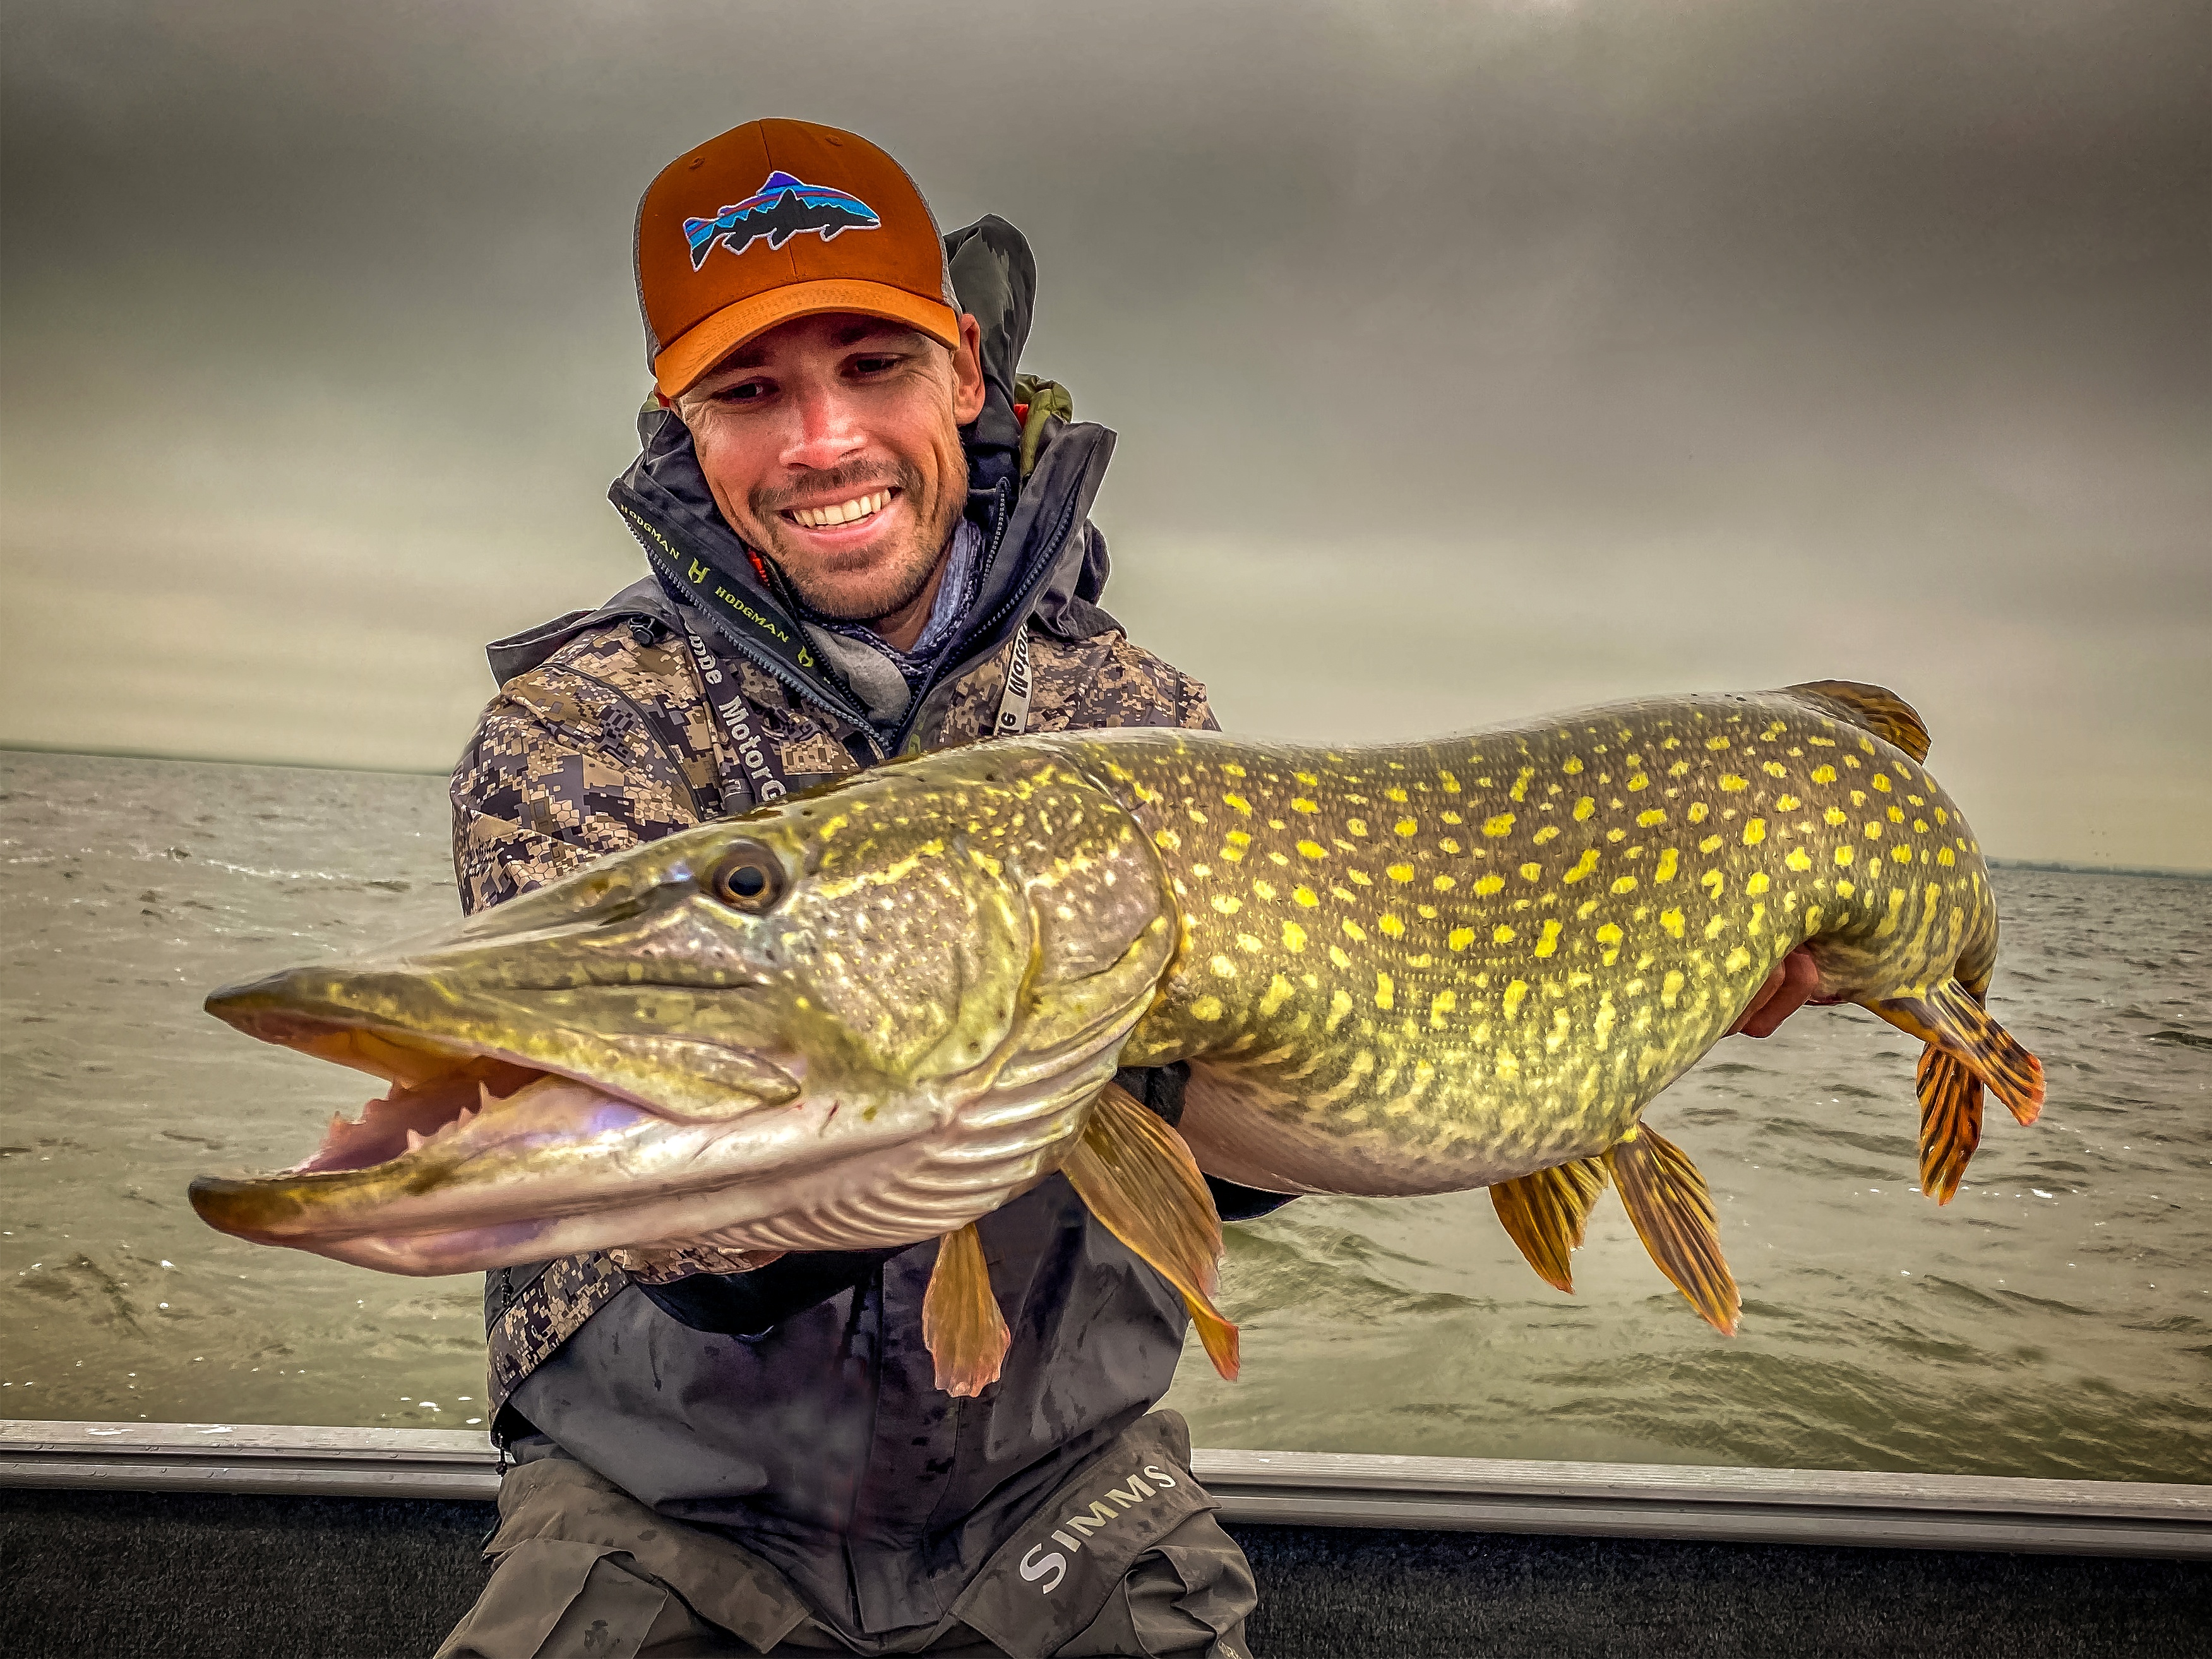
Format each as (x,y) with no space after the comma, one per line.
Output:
(899,580)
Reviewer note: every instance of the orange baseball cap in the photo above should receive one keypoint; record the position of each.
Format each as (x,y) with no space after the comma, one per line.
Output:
(775,220)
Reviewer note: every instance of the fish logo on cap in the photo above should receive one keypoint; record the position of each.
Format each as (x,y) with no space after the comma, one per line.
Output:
(781,208)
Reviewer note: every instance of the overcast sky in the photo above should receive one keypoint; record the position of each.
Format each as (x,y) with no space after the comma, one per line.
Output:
(1470,359)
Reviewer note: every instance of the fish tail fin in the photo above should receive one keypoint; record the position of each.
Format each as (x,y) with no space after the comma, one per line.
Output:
(961,1324)
(1950,1120)
(1951,1017)
(1673,1212)
(1545,1214)
(1138,1177)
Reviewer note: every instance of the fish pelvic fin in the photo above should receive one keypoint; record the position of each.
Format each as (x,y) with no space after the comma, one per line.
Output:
(1138,1178)
(961,1324)
(1545,1214)
(1950,1121)
(1673,1215)
(1879,709)
(1951,1017)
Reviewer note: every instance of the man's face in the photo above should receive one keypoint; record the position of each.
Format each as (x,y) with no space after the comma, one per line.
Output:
(832,444)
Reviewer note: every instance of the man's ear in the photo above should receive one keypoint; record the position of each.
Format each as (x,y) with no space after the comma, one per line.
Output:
(968,372)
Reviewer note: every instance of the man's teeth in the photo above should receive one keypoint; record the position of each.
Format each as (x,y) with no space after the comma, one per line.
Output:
(821,518)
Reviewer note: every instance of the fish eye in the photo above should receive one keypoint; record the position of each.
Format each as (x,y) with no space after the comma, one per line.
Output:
(749,878)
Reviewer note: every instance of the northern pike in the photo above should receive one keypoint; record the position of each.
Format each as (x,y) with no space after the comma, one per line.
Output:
(872,1014)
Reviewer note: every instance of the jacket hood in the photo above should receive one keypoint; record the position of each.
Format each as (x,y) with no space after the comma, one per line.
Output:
(1042,556)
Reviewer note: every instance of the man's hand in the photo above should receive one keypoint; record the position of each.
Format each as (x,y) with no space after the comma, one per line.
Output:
(1787,989)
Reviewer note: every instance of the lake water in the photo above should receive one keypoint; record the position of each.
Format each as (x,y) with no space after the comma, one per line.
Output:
(2055,1319)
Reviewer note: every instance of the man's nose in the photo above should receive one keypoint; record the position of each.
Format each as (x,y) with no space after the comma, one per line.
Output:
(826,428)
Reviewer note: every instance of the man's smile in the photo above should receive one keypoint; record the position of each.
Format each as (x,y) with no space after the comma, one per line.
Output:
(859,513)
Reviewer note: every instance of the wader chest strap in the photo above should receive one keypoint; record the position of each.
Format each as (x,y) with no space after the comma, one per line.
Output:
(542,1316)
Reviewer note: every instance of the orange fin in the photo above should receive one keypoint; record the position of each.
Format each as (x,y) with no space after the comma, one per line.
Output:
(1544,1213)
(1876,707)
(1951,1017)
(1950,1121)
(1673,1215)
(961,1323)
(1140,1181)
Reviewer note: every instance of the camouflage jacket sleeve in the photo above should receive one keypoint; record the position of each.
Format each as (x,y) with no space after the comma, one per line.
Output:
(1080,686)
(601,747)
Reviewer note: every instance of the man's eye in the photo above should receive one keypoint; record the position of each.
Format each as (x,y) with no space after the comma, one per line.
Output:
(874,365)
(744,391)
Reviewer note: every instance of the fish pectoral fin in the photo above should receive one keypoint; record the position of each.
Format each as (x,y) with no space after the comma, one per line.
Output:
(1138,1178)
(961,1324)
(1876,707)
(1545,1214)
(1951,1017)
(1673,1215)
(1950,1120)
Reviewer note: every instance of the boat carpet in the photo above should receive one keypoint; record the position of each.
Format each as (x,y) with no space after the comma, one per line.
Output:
(199,1575)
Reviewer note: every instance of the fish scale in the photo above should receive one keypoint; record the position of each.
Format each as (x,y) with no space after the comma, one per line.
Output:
(1472,958)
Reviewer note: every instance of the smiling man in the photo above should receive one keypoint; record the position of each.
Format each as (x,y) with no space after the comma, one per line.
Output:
(866,537)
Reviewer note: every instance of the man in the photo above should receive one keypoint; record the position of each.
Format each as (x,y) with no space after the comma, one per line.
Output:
(866,537)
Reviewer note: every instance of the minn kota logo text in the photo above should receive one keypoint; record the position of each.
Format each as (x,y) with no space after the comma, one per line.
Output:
(779,209)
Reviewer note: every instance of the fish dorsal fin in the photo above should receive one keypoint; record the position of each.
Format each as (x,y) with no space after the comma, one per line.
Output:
(1544,1213)
(1138,1178)
(1951,1017)
(961,1323)
(1881,711)
(1673,1215)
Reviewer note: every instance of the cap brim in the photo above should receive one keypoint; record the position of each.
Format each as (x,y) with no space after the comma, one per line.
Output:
(692,353)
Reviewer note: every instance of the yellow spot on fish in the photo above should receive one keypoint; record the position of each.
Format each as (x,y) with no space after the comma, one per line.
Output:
(1758,883)
(1311,850)
(1391,926)
(1670,988)
(1754,832)
(1206,1008)
(1386,994)
(1550,941)
(1518,792)
(1734,784)
(1798,859)
(1442,884)
(1265,890)
(1946,857)
(1775,769)
(1549,832)
(1672,921)
(1738,959)
(1699,812)
(1787,803)
(1405,827)
(1844,857)
(1624,884)
(1440,1005)
(1717,743)
(1824,774)
(1583,866)
(1358,826)
(1656,815)
(1571,765)
(1339,1005)
(1460,938)
(1666,870)
(1901,853)
(1305,895)
(1353,930)
(1515,994)
(1874,832)
(1239,803)
(1168,839)
(1708,843)
(1488,884)
(1502,935)
(1222,968)
(1531,873)
(1609,935)
(1400,872)
(1584,808)
(1394,793)
(1300,804)
(1228,903)
(1881,782)
(1337,956)
(1306,778)
(1835,814)
(1294,937)
(1500,825)
(1713,881)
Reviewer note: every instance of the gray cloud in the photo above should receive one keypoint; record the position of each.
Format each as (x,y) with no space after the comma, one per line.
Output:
(1468,359)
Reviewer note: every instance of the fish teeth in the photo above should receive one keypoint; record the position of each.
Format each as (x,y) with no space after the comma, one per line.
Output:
(413,1140)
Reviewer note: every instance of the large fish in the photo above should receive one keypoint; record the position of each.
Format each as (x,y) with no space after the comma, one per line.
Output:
(875,1012)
